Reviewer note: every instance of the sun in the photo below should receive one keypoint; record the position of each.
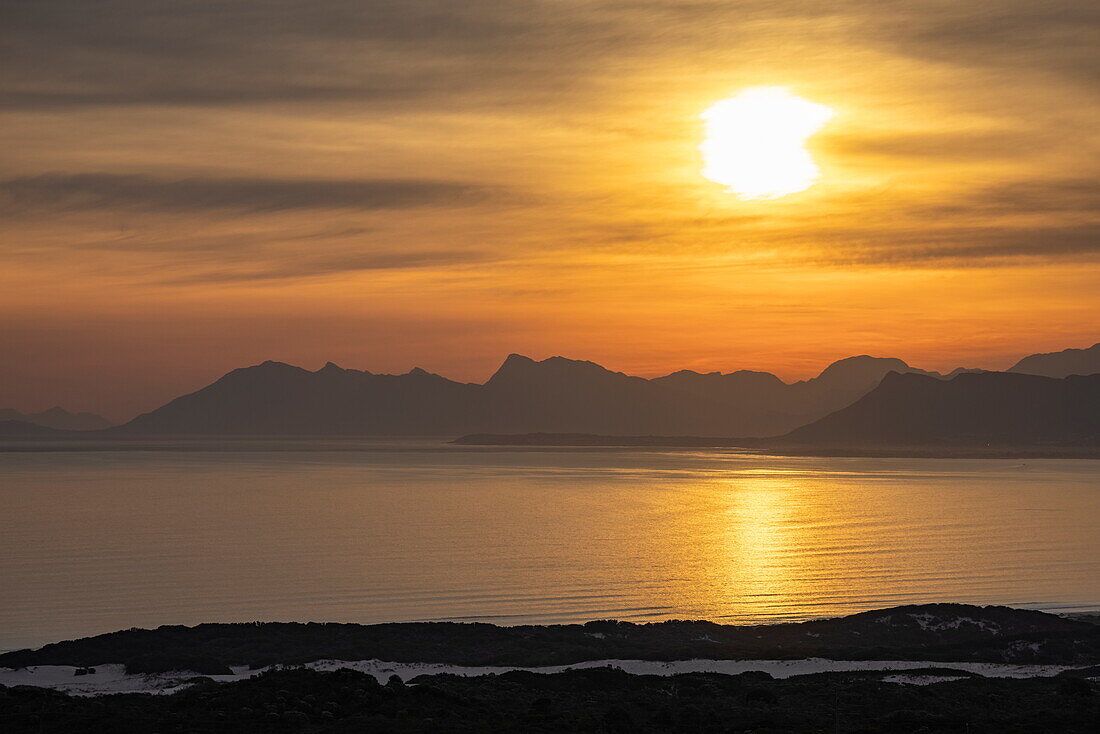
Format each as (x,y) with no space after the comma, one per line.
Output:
(755,143)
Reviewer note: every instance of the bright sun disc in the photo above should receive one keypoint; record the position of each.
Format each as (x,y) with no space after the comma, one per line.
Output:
(755,143)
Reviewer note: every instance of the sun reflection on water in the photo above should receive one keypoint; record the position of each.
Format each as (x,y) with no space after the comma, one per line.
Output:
(761,526)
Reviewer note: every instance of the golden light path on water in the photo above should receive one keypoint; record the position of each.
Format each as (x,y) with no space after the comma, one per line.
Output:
(411,531)
(755,142)
(761,529)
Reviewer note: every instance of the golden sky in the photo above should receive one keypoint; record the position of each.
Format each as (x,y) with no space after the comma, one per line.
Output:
(193,186)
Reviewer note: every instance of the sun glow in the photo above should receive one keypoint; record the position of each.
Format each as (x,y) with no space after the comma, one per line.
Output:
(755,143)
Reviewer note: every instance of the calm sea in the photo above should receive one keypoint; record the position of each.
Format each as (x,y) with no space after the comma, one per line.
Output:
(94,541)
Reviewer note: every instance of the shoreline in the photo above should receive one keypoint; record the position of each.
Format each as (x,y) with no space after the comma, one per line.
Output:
(769,447)
(530,441)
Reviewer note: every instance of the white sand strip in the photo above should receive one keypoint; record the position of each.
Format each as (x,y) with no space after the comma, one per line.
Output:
(919,680)
(113,679)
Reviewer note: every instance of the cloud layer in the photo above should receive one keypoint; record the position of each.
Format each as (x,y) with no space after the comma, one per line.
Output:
(469,178)
(58,192)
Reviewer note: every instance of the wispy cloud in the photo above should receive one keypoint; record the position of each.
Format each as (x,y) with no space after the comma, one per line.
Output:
(1080,196)
(955,247)
(311,267)
(198,52)
(1053,36)
(59,192)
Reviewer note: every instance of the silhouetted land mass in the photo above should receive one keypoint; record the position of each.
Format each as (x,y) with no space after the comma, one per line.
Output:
(570,399)
(1061,364)
(593,439)
(934,632)
(990,408)
(994,414)
(598,699)
(780,446)
(20,429)
(556,395)
(58,418)
(603,700)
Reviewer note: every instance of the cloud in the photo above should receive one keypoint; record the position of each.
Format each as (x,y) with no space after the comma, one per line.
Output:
(931,145)
(201,52)
(1070,196)
(1053,36)
(60,192)
(960,246)
(440,59)
(309,267)
(207,52)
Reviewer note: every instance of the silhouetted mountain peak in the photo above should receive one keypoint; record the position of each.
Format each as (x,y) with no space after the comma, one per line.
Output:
(740,377)
(905,374)
(566,363)
(905,379)
(970,409)
(264,373)
(862,367)
(270,366)
(1061,364)
(518,369)
(690,374)
(513,365)
(332,369)
(514,360)
(965,371)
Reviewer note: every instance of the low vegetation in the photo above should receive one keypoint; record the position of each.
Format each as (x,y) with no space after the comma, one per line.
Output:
(592,700)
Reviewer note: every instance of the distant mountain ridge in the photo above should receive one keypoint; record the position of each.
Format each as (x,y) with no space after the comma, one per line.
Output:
(990,408)
(58,418)
(23,429)
(1061,364)
(556,395)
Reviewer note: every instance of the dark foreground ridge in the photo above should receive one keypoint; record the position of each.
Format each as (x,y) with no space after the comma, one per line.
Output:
(933,632)
(594,700)
(599,699)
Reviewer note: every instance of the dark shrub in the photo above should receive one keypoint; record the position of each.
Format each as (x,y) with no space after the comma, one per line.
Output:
(1075,687)
(296,720)
(617,719)
(761,695)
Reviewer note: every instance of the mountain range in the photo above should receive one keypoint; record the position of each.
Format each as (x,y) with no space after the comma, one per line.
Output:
(58,418)
(554,395)
(986,409)
(1061,364)
(859,400)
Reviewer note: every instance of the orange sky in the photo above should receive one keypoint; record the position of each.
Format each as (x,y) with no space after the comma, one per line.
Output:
(437,184)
